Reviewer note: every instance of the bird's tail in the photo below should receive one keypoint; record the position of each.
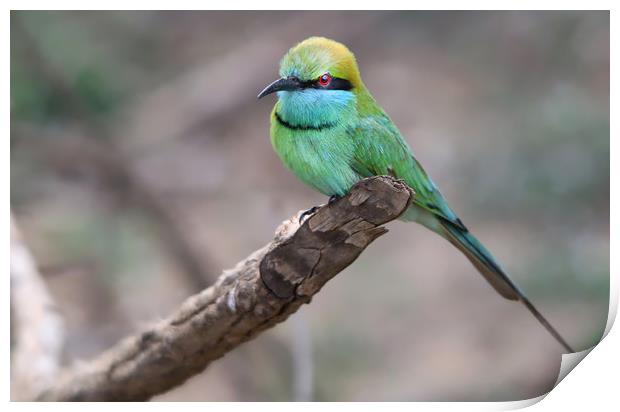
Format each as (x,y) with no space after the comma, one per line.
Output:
(493,273)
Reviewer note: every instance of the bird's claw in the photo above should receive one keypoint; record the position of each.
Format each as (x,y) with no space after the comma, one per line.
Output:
(332,199)
(308,213)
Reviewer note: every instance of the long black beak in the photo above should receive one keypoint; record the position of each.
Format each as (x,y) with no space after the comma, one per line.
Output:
(285,83)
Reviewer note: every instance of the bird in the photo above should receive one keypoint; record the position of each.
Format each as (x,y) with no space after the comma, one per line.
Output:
(331,133)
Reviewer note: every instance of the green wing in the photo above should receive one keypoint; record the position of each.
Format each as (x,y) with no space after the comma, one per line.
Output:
(381,150)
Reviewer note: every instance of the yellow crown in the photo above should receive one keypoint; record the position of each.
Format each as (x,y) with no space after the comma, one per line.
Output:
(317,55)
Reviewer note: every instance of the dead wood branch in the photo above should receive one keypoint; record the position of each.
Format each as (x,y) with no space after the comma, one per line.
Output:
(259,292)
(40,334)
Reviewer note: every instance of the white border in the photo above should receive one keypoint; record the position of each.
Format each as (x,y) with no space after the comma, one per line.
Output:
(591,384)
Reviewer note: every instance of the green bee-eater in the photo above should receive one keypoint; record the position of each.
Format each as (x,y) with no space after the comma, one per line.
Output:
(329,131)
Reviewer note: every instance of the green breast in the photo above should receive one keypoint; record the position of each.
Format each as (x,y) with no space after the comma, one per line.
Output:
(320,157)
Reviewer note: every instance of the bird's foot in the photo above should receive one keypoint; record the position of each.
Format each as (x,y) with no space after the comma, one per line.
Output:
(332,199)
(307,213)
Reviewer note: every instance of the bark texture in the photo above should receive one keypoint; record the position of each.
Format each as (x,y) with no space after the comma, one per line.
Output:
(258,293)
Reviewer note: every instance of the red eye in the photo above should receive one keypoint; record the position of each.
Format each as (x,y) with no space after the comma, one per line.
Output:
(325,79)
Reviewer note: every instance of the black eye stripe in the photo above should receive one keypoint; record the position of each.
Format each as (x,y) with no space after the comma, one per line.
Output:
(339,84)
(336,83)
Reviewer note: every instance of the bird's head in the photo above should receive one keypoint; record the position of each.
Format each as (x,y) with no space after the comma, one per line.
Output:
(319,80)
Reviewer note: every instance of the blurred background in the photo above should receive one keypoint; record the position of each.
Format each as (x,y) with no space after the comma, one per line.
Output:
(141,167)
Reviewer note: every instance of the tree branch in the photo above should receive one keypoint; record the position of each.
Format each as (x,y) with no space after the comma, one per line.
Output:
(259,292)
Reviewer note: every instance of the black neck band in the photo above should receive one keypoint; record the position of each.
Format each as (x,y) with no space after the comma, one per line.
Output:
(302,127)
